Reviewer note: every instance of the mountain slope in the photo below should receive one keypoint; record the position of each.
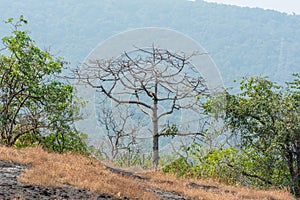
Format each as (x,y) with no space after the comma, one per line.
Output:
(242,41)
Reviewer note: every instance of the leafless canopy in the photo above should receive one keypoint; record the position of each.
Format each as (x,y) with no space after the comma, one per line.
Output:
(156,80)
(151,74)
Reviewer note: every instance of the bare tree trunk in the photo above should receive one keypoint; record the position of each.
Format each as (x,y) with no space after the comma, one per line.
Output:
(155,136)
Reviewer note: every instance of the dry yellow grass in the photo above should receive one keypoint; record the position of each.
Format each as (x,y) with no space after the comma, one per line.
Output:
(214,190)
(55,170)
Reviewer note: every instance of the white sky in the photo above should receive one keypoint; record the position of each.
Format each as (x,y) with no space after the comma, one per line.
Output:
(287,6)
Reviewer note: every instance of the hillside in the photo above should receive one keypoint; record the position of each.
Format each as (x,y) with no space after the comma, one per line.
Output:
(88,176)
(39,109)
(242,41)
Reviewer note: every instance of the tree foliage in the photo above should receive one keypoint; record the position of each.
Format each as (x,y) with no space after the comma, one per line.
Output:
(227,165)
(265,116)
(34,104)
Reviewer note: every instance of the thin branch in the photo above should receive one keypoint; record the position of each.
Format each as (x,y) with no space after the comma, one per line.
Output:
(251,175)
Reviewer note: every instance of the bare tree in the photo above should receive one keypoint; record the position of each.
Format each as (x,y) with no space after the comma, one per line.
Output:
(119,138)
(156,80)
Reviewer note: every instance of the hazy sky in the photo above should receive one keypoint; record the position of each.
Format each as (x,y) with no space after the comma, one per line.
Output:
(288,6)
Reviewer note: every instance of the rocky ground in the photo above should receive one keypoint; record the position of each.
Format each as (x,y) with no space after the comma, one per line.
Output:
(10,188)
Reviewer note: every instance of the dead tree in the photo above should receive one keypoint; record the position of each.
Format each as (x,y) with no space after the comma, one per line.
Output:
(119,138)
(156,80)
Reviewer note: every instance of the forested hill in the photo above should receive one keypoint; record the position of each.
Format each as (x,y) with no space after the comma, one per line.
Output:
(242,41)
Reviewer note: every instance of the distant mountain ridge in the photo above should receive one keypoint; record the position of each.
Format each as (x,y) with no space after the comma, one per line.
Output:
(242,41)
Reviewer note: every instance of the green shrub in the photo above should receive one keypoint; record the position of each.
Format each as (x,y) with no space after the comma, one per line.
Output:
(230,166)
(71,141)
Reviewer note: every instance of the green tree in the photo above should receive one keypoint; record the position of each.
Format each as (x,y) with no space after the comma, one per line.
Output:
(266,117)
(34,103)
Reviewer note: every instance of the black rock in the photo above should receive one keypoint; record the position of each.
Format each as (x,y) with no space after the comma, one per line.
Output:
(11,189)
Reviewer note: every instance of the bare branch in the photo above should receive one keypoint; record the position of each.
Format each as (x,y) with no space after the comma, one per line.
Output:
(153,77)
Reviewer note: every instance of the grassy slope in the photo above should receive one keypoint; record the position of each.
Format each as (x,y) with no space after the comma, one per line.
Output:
(50,169)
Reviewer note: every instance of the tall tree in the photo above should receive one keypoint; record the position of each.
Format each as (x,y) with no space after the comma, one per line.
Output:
(156,81)
(266,118)
(32,99)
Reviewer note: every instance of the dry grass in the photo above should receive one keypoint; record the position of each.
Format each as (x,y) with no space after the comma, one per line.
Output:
(56,170)
(205,189)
